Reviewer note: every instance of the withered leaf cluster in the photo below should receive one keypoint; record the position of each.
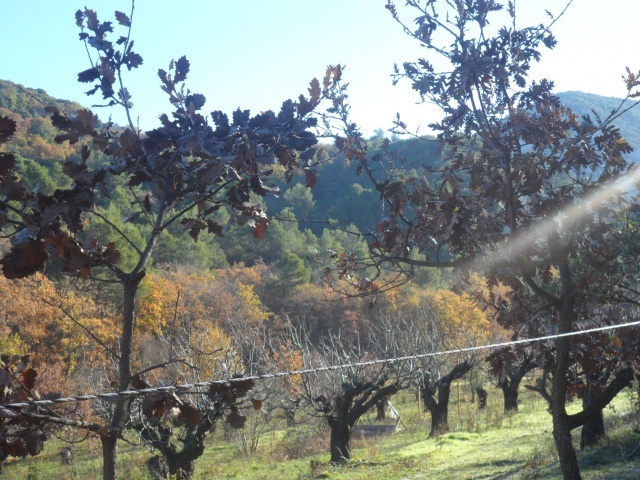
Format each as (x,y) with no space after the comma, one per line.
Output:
(20,435)
(221,398)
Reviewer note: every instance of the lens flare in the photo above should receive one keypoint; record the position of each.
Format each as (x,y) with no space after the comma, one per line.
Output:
(623,190)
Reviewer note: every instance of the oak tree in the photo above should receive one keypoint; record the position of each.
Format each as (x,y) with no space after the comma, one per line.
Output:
(182,172)
(527,191)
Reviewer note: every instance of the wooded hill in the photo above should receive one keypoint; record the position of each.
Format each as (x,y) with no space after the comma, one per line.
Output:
(298,231)
(340,195)
(629,123)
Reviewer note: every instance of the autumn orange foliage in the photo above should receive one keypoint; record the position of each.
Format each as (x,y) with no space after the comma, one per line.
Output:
(51,321)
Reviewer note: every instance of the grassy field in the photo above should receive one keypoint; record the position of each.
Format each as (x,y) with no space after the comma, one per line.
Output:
(481,445)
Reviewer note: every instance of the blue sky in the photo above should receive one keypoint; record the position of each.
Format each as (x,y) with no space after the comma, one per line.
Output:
(254,54)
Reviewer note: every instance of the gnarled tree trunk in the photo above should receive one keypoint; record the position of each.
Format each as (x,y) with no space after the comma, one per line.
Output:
(510,384)
(341,433)
(290,415)
(346,409)
(439,415)
(510,393)
(381,408)
(439,409)
(482,398)
(593,431)
(591,418)
(172,463)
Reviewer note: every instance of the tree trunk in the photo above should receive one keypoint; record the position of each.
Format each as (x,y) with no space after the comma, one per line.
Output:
(290,415)
(109,456)
(172,463)
(564,446)
(347,409)
(439,419)
(511,384)
(593,430)
(171,467)
(121,409)
(561,424)
(482,398)
(158,468)
(510,393)
(340,440)
(381,407)
(440,409)
(181,469)
(591,418)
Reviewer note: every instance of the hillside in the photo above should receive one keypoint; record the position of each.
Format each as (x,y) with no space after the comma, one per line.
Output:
(340,194)
(35,133)
(14,98)
(629,123)
(38,157)
(40,160)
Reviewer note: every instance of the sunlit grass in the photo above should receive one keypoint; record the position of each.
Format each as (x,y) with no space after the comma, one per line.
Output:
(482,444)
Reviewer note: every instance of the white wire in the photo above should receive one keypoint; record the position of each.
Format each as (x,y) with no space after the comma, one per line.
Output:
(187,386)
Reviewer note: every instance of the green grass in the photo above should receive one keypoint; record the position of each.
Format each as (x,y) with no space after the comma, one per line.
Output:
(481,445)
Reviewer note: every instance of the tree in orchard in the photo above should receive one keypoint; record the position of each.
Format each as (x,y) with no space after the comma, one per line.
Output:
(342,396)
(527,191)
(456,322)
(508,366)
(183,172)
(435,396)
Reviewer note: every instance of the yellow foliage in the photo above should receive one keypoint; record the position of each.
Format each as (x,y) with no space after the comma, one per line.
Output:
(81,313)
(214,354)
(461,322)
(47,321)
(157,305)
(192,309)
(251,306)
(12,345)
(194,296)
(23,311)
(37,148)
